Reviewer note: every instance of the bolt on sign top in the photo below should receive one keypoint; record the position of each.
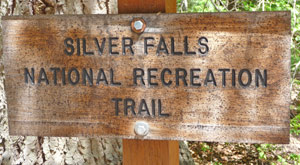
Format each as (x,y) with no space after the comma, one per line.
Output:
(208,77)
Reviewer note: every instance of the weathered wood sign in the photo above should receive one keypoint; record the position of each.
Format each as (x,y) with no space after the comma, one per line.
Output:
(207,77)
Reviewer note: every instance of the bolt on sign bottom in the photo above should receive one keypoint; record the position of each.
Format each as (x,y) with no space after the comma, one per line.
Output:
(207,77)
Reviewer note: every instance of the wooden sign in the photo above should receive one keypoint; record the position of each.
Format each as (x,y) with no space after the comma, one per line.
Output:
(208,77)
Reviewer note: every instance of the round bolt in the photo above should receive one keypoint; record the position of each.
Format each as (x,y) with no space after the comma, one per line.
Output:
(141,128)
(138,25)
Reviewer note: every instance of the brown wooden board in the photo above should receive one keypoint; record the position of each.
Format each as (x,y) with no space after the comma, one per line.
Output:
(208,77)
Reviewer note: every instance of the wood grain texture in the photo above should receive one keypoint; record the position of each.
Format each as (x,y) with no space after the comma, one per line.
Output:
(170,6)
(258,40)
(148,152)
(141,6)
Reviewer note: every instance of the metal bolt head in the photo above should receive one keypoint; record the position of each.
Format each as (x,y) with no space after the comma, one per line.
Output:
(138,25)
(141,128)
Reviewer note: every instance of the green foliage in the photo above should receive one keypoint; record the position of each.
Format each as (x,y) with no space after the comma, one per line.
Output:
(295,125)
(195,6)
(288,159)
(294,107)
(281,160)
(265,151)
(204,147)
(295,158)
(294,61)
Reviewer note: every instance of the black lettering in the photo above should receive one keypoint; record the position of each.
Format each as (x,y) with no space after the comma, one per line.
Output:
(27,74)
(111,45)
(224,76)
(85,52)
(151,76)
(146,45)
(173,52)
(99,77)
(233,77)
(163,73)
(193,76)
(136,76)
(160,110)
(249,76)
(88,76)
(55,70)
(207,78)
(116,100)
(143,107)
(162,47)
(129,46)
(43,77)
(68,42)
(112,82)
(76,76)
(186,47)
(100,48)
(63,76)
(203,45)
(129,104)
(182,77)
(153,107)
(78,46)
(262,78)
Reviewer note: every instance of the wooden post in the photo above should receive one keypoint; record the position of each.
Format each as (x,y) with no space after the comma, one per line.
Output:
(146,6)
(149,152)
(139,152)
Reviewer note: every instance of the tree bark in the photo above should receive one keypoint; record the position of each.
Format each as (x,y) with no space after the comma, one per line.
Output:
(58,150)
(52,150)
